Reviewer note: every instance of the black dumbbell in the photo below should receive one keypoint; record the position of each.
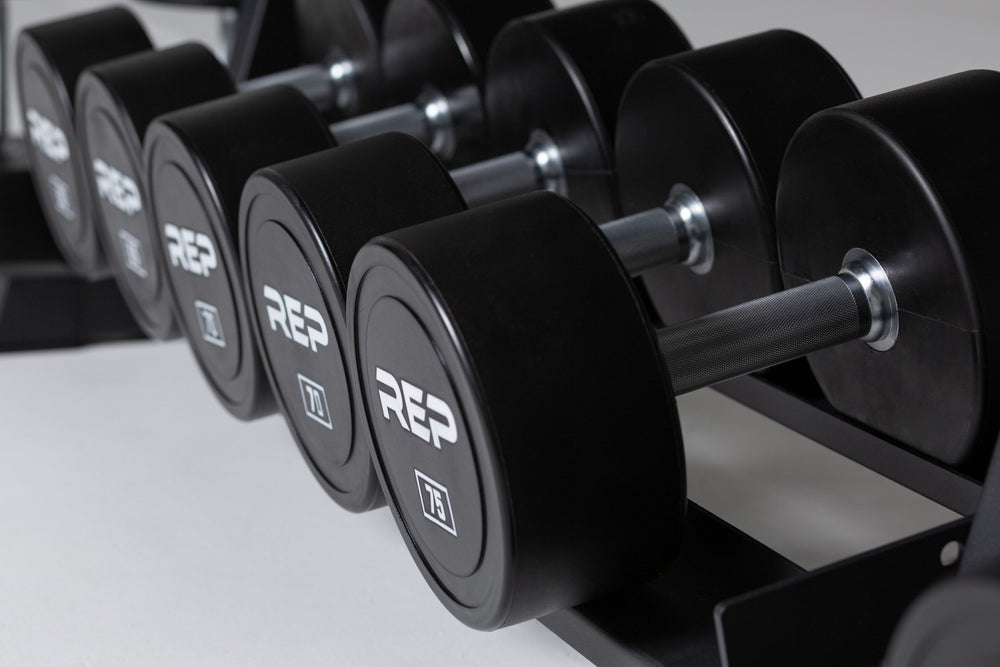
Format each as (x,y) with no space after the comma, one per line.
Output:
(302,222)
(117,100)
(116,104)
(565,90)
(196,179)
(51,59)
(522,404)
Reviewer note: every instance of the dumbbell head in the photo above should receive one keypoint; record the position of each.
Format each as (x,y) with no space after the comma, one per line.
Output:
(563,75)
(331,203)
(432,62)
(523,418)
(195,174)
(904,175)
(732,109)
(49,61)
(117,100)
(443,41)
(115,103)
(525,429)
(444,44)
(296,284)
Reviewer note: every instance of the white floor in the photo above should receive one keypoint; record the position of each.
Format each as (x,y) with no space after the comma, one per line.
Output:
(139,524)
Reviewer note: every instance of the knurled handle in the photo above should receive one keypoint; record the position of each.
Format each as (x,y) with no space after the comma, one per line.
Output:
(761,333)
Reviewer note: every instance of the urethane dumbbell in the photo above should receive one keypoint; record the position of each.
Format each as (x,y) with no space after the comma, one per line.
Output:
(117,101)
(50,61)
(302,222)
(522,404)
(196,177)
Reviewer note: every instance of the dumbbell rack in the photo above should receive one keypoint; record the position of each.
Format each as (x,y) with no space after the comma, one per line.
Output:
(730,596)
(728,599)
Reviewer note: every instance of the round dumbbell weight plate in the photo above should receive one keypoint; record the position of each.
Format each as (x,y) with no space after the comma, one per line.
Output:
(115,105)
(446,43)
(564,75)
(717,121)
(868,175)
(50,59)
(476,330)
(195,209)
(302,222)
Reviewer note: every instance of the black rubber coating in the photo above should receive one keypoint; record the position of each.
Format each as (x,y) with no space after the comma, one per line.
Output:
(954,623)
(301,224)
(907,176)
(563,478)
(50,59)
(444,44)
(718,120)
(443,41)
(761,333)
(195,173)
(564,73)
(116,102)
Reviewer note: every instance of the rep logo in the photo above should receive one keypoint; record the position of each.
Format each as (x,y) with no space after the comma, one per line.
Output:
(132,254)
(314,401)
(210,323)
(418,412)
(116,188)
(191,251)
(47,137)
(435,503)
(298,322)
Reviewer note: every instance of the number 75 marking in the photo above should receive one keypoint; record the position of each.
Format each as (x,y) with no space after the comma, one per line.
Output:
(435,503)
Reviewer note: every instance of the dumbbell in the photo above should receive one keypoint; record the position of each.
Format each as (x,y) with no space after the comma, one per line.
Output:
(195,180)
(744,265)
(302,222)
(522,405)
(117,100)
(51,61)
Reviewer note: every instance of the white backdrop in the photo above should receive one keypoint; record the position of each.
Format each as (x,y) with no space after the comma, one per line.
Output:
(139,524)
